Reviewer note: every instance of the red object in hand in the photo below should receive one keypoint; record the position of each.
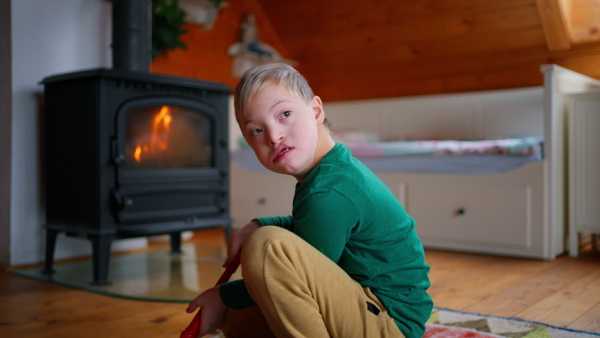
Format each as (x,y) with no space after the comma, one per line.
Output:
(194,328)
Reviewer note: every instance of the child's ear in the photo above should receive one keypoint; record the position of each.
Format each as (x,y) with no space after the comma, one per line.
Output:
(317,107)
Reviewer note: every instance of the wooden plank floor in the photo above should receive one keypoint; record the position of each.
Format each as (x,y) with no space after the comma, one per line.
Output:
(564,292)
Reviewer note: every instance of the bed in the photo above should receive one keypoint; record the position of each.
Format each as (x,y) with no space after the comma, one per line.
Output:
(480,172)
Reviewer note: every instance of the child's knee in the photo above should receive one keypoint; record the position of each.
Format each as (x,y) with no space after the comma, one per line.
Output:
(254,250)
(261,237)
(260,244)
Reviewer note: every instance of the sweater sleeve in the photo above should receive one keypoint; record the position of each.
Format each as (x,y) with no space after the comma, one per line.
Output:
(326,220)
(235,295)
(286,222)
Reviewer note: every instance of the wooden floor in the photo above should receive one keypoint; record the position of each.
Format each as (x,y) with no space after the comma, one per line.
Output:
(564,292)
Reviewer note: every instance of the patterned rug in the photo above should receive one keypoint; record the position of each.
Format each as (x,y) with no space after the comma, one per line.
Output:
(446,323)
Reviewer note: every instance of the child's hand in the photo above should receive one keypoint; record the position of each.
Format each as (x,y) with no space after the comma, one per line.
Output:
(214,312)
(237,241)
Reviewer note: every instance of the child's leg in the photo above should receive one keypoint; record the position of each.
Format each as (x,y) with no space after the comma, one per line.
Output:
(302,293)
(248,322)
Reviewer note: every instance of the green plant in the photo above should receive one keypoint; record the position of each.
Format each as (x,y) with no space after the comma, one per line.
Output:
(167,20)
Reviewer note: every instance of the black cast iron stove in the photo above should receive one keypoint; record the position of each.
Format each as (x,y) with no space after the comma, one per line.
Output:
(132,154)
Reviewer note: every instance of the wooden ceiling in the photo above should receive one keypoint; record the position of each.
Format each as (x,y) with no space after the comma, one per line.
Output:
(350,49)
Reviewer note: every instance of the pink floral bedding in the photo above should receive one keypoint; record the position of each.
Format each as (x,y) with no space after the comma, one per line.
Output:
(523,146)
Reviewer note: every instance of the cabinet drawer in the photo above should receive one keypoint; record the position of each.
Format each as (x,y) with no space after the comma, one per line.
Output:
(482,216)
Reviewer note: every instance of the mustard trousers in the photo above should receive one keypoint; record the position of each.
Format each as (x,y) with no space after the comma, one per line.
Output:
(302,293)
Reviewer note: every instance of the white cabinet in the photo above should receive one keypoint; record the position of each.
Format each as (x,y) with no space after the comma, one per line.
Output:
(496,215)
(492,214)
(259,194)
(584,166)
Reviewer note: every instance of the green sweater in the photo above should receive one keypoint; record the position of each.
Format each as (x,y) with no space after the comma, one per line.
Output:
(344,210)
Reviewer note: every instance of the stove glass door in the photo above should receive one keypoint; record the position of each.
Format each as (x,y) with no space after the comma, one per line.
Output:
(167,137)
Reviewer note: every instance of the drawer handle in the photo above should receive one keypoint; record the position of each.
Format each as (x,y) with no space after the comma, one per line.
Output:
(460,211)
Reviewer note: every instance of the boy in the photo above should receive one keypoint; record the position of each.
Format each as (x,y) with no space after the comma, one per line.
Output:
(347,263)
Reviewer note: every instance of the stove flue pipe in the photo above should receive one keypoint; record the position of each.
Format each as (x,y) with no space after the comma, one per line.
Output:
(131,35)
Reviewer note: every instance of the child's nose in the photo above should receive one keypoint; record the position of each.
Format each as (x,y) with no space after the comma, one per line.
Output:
(275,137)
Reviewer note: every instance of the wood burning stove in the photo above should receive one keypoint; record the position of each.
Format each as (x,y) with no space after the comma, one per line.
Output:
(130,154)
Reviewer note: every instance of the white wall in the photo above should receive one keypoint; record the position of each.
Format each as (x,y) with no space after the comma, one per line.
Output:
(48,37)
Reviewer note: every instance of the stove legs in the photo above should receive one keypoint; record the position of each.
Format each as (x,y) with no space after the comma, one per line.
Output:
(175,242)
(101,258)
(101,250)
(176,239)
(50,246)
(100,255)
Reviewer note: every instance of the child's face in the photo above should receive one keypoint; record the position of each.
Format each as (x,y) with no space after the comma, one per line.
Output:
(281,128)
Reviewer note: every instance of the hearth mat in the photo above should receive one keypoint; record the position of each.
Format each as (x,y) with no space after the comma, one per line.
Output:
(157,275)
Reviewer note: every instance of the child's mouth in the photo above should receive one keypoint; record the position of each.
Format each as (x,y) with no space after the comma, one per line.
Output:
(279,155)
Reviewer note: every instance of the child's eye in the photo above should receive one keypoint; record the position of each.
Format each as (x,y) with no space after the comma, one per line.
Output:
(255,131)
(285,114)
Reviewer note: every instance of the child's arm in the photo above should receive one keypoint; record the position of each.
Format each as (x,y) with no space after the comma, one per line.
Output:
(239,237)
(237,241)
(212,296)
(214,312)
(326,221)
(286,222)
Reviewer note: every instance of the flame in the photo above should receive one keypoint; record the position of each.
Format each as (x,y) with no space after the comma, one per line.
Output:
(159,140)
(138,153)
(160,129)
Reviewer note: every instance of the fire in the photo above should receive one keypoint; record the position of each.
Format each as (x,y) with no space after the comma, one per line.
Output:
(159,140)
(138,153)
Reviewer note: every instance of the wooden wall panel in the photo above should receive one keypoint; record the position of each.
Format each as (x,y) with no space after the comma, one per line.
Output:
(350,49)
(585,21)
(392,83)
(588,64)
(348,35)
(467,46)
(206,54)
(555,23)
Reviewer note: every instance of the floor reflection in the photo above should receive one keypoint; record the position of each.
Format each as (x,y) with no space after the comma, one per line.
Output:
(156,275)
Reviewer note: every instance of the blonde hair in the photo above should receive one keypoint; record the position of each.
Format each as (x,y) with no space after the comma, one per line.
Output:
(256,78)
